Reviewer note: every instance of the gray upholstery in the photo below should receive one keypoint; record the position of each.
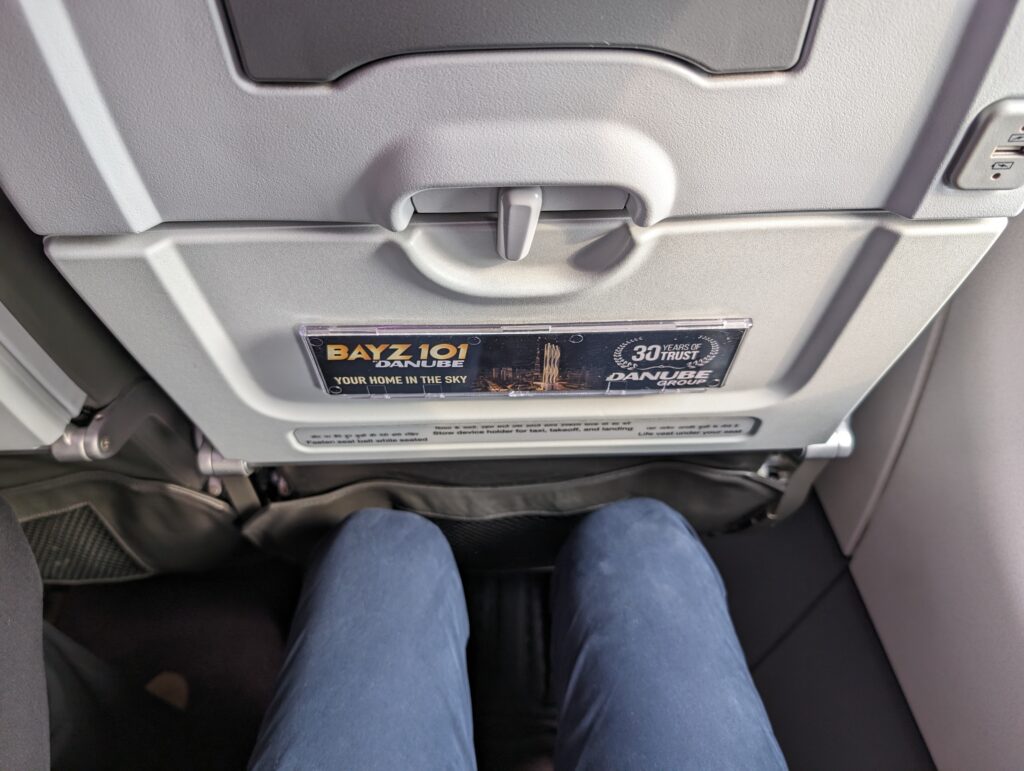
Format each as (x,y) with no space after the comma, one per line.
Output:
(24,723)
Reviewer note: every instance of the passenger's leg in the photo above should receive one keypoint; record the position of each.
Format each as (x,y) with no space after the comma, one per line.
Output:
(375,675)
(647,667)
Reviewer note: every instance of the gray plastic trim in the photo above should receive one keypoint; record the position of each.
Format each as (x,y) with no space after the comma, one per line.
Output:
(55,317)
(142,114)
(850,488)
(36,398)
(834,300)
(941,563)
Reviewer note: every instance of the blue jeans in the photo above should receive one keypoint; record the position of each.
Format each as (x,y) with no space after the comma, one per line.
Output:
(647,668)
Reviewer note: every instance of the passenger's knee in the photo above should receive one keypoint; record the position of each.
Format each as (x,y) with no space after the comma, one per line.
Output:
(635,518)
(391,523)
(392,561)
(628,540)
(406,540)
(631,528)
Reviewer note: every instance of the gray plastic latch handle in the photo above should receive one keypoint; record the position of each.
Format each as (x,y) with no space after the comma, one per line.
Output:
(518,212)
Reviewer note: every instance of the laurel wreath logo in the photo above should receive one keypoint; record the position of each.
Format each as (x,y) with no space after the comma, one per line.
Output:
(619,359)
(711,354)
(714,348)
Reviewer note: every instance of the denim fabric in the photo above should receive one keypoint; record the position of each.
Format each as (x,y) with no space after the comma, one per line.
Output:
(375,675)
(646,665)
